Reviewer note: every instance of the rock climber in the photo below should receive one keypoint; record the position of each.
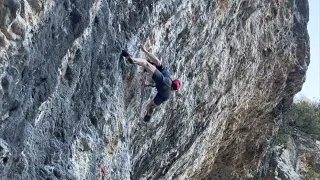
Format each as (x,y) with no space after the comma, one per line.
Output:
(161,76)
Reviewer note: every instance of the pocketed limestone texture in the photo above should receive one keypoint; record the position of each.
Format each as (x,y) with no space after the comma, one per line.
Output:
(70,103)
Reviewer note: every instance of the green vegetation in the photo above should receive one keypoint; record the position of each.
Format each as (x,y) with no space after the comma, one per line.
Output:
(305,116)
(302,119)
(283,139)
(311,174)
(311,171)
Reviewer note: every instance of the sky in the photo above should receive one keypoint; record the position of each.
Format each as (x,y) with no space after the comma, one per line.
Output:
(311,87)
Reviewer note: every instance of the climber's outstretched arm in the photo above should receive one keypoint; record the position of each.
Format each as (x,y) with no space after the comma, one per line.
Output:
(145,64)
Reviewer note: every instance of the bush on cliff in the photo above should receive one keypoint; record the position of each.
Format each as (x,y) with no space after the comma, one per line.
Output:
(305,116)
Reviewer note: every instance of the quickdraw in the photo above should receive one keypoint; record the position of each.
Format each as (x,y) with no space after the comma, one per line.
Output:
(142,90)
(104,173)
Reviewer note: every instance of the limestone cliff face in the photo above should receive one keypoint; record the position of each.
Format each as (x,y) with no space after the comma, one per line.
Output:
(297,157)
(69,103)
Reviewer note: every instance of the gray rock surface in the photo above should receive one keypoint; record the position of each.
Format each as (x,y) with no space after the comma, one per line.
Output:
(69,103)
(297,158)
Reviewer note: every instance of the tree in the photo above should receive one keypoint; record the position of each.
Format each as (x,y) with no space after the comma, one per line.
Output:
(304,115)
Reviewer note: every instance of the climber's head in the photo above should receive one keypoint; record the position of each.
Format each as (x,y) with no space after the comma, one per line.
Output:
(176,84)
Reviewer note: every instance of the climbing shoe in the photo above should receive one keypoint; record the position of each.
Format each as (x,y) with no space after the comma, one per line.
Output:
(127,56)
(149,114)
(147,118)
